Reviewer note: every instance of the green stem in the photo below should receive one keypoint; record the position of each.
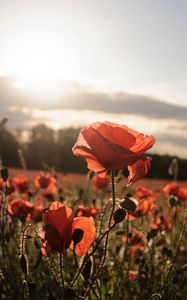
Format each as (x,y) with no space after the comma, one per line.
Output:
(61,273)
(183,229)
(108,231)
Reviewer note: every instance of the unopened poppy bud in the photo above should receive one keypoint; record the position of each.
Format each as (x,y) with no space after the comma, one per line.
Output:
(152,234)
(24,264)
(77,235)
(119,215)
(87,268)
(173,201)
(4,174)
(129,204)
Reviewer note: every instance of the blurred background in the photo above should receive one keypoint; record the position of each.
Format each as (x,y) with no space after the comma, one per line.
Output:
(65,64)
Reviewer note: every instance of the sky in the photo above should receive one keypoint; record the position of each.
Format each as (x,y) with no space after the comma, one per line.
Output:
(73,62)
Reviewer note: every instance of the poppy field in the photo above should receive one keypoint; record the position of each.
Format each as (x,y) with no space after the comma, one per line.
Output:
(107,234)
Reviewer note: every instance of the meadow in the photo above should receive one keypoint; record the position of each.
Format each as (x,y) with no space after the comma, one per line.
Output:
(93,236)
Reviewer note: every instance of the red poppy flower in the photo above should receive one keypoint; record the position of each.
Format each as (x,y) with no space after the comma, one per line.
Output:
(161,223)
(100,182)
(136,242)
(142,193)
(174,189)
(87,211)
(45,181)
(37,213)
(20,208)
(60,226)
(22,183)
(88,227)
(108,146)
(143,208)
(10,188)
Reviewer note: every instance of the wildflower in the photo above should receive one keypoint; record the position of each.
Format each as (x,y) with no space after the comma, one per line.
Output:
(59,229)
(87,211)
(174,189)
(136,242)
(21,183)
(100,182)
(108,146)
(45,181)
(143,208)
(20,208)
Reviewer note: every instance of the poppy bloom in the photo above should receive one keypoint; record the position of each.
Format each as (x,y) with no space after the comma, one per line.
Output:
(37,213)
(45,181)
(109,146)
(136,242)
(60,226)
(143,208)
(174,189)
(100,182)
(21,183)
(20,208)
(142,193)
(10,188)
(87,211)
(161,223)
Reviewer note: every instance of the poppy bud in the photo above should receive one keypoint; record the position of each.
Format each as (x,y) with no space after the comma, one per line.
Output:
(4,174)
(119,215)
(24,264)
(77,235)
(87,269)
(152,234)
(173,201)
(129,204)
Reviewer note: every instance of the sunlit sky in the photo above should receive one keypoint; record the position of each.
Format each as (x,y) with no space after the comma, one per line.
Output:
(71,62)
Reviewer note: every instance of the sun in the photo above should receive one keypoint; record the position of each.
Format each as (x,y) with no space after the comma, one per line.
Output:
(37,65)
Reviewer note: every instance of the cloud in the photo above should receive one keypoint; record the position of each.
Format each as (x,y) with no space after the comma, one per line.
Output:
(79,106)
(81,98)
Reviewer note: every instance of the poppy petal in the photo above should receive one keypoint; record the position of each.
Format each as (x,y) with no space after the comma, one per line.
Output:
(139,169)
(88,227)
(61,219)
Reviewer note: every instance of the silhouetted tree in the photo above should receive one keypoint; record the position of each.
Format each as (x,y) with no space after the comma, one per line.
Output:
(8,148)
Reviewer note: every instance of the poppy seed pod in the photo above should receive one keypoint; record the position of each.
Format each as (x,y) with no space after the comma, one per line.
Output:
(119,215)
(4,174)
(129,203)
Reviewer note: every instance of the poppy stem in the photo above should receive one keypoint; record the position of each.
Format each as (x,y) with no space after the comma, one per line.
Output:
(61,272)
(183,230)
(80,272)
(109,228)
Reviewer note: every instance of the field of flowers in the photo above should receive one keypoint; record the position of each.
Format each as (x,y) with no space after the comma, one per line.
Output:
(96,236)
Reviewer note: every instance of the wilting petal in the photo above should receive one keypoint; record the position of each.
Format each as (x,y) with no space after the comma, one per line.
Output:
(139,169)
(88,227)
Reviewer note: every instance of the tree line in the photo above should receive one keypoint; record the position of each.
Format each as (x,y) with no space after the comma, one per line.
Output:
(46,147)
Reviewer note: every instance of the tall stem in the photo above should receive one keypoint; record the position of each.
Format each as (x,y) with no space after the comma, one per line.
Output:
(61,273)
(108,231)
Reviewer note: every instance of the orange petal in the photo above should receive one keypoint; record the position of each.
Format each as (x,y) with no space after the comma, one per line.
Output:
(139,169)
(61,220)
(88,226)
(55,205)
